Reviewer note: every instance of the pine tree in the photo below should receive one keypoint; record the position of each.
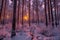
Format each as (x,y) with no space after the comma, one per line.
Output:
(49,13)
(1,9)
(29,12)
(37,11)
(22,10)
(57,15)
(14,18)
(51,5)
(4,10)
(18,10)
(46,13)
(56,21)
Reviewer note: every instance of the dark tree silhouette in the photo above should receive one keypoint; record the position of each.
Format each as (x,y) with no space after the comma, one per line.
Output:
(1,9)
(29,12)
(14,18)
(46,13)
(56,21)
(49,14)
(57,15)
(51,5)
(22,10)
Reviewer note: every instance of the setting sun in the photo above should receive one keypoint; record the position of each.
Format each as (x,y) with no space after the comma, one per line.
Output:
(26,17)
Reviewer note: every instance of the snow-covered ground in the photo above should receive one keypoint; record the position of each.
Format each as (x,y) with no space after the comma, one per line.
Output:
(27,31)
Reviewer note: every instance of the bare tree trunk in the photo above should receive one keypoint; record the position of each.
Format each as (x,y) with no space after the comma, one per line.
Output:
(49,14)
(1,9)
(51,5)
(29,12)
(22,10)
(46,13)
(14,18)
(33,13)
(37,11)
(4,10)
(55,13)
(18,10)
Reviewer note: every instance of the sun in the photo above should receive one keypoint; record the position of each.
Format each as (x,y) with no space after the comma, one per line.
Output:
(26,17)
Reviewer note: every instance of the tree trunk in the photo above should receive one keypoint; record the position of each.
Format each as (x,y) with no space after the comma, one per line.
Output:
(1,10)
(51,5)
(14,19)
(55,13)
(46,13)
(22,10)
(4,10)
(37,11)
(29,12)
(49,14)
(18,10)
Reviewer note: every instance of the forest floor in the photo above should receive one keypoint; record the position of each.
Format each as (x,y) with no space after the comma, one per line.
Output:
(39,32)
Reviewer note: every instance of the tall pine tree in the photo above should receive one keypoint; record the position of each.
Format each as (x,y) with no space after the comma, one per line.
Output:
(1,9)
(14,18)
(46,13)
